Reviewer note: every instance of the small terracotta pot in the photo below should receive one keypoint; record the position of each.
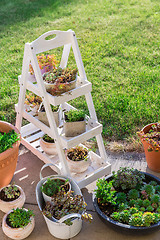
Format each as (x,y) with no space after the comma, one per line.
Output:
(50,199)
(8,158)
(19,202)
(17,233)
(49,148)
(152,158)
(78,166)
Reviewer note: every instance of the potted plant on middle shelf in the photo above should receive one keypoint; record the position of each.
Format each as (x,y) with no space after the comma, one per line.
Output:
(32,102)
(129,200)
(18,223)
(74,122)
(60,80)
(42,116)
(78,159)
(52,186)
(11,196)
(48,145)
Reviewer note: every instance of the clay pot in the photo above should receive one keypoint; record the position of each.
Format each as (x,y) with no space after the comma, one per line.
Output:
(8,158)
(49,148)
(78,166)
(19,202)
(152,158)
(17,233)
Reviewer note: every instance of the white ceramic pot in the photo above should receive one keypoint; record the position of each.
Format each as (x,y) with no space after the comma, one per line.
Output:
(17,233)
(48,198)
(57,228)
(19,202)
(49,148)
(78,166)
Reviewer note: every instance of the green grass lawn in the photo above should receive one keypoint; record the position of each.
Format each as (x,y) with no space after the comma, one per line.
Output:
(119,44)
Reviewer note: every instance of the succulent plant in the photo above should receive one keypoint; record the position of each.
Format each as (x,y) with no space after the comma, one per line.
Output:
(121,197)
(148,218)
(153,183)
(157,189)
(19,217)
(149,208)
(125,216)
(139,201)
(155,198)
(142,209)
(133,194)
(115,216)
(77,153)
(149,189)
(136,220)
(74,115)
(122,206)
(146,203)
(10,192)
(127,178)
(133,210)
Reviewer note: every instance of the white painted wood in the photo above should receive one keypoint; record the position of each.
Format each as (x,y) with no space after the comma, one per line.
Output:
(34,130)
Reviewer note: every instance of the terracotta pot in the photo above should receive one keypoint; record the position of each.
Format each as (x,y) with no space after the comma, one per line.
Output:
(49,148)
(17,233)
(50,199)
(19,202)
(152,158)
(78,166)
(8,158)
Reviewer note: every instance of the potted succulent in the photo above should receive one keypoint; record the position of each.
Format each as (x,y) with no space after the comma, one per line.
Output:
(74,122)
(11,196)
(48,145)
(129,200)
(32,102)
(9,147)
(150,138)
(43,117)
(60,80)
(18,223)
(46,63)
(78,159)
(52,186)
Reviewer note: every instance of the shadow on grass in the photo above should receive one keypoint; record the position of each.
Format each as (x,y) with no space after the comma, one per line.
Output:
(15,11)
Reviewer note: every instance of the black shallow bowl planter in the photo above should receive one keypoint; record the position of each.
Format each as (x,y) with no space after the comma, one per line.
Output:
(125,227)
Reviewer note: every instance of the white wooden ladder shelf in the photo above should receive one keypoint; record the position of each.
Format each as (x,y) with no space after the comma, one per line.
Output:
(32,132)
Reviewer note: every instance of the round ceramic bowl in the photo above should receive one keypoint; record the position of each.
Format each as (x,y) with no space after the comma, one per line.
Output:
(49,148)
(19,202)
(17,233)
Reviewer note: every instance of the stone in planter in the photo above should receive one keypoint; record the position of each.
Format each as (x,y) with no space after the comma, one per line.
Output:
(78,165)
(48,145)
(17,233)
(42,116)
(74,123)
(12,202)
(8,158)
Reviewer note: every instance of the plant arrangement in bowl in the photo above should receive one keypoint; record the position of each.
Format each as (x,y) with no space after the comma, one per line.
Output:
(129,200)
(74,122)
(66,204)
(9,148)
(60,80)
(46,63)
(42,116)
(11,196)
(52,186)
(48,145)
(150,138)
(32,102)
(78,159)
(18,223)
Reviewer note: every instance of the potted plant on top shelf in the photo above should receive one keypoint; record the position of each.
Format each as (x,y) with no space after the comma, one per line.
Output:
(46,63)
(52,186)
(9,148)
(60,80)
(129,200)
(74,122)
(18,223)
(150,138)
(11,196)
(42,116)
(78,159)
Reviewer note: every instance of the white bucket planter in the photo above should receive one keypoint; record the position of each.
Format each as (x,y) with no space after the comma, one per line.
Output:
(17,233)
(49,148)
(56,227)
(73,129)
(42,116)
(79,166)
(19,202)
(50,199)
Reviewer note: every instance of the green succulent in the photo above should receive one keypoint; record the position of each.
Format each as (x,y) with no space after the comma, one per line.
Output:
(142,209)
(149,189)
(133,194)
(136,220)
(121,197)
(125,216)
(132,202)
(19,217)
(115,216)
(146,203)
(133,210)
(155,205)
(139,202)
(158,209)
(122,207)
(148,218)
(158,189)
(149,209)
(155,198)
(153,183)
